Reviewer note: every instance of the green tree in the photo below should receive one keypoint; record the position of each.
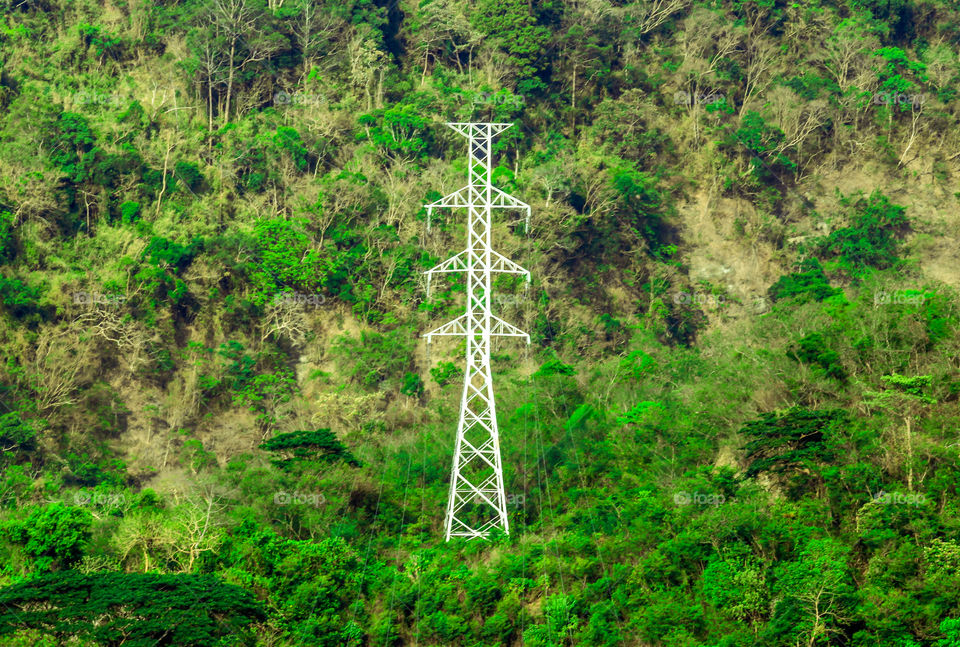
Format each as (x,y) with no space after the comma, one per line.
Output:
(559,623)
(905,399)
(809,282)
(54,535)
(796,440)
(737,588)
(511,25)
(131,609)
(17,436)
(817,593)
(319,445)
(870,240)
(950,627)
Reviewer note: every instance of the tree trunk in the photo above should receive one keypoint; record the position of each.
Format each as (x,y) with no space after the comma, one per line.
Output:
(226,111)
(163,187)
(909,422)
(380,89)
(573,101)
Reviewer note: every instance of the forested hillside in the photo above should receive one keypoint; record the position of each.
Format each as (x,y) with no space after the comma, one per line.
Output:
(736,423)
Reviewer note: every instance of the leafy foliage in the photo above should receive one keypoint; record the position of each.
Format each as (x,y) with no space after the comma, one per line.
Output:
(813,349)
(52,535)
(809,283)
(320,445)
(790,440)
(17,436)
(870,241)
(518,34)
(131,608)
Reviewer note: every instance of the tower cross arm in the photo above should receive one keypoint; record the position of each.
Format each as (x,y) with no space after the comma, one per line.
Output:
(500,328)
(506,201)
(459,263)
(455,327)
(456,263)
(501,263)
(478,130)
(461,198)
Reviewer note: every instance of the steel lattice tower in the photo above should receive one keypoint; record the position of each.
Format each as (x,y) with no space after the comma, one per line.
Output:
(477,501)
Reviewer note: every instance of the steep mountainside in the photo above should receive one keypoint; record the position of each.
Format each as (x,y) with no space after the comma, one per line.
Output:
(736,423)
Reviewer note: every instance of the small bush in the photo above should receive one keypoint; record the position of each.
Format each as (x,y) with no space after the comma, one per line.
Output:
(812,349)
(809,282)
(870,241)
(129,212)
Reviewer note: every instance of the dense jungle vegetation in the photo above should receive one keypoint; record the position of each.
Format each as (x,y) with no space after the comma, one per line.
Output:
(736,423)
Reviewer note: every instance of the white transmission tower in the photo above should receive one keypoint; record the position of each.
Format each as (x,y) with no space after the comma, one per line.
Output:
(477,502)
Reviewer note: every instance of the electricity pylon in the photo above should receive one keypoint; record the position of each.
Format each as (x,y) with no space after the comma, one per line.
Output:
(477,502)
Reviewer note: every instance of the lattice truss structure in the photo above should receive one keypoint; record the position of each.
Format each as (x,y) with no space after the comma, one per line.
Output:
(477,502)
